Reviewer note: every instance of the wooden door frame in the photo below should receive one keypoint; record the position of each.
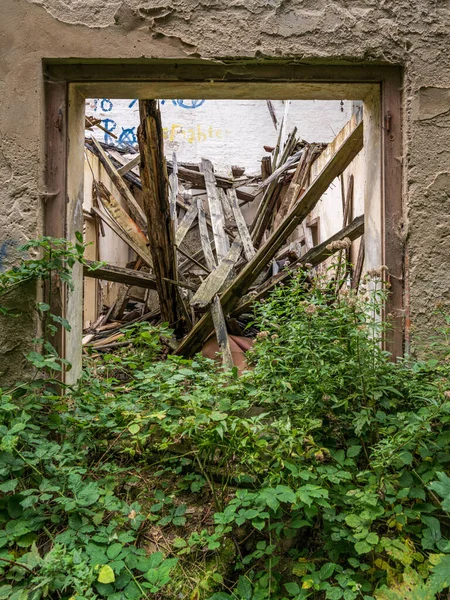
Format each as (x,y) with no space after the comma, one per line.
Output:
(116,78)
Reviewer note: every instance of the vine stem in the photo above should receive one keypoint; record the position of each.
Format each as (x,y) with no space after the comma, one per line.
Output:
(17,564)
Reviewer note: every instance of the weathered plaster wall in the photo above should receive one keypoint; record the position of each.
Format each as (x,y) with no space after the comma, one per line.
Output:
(408,32)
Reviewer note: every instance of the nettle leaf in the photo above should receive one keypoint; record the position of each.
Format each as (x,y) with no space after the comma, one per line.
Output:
(292,588)
(106,575)
(88,495)
(442,488)
(362,547)
(9,486)
(244,588)
(327,571)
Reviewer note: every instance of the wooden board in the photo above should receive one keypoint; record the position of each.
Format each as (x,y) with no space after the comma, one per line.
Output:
(246,238)
(215,281)
(120,185)
(120,275)
(204,237)
(186,223)
(221,333)
(215,211)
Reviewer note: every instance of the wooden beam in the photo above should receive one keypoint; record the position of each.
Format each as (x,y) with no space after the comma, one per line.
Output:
(221,333)
(173,191)
(214,282)
(123,236)
(119,275)
(204,237)
(156,202)
(345,151)
(129,165)
(124,220)
(215,211)
(246,239)
(120,184)
(185,224)
(313,257)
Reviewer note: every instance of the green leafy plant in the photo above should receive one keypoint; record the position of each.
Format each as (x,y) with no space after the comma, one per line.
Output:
(321,473)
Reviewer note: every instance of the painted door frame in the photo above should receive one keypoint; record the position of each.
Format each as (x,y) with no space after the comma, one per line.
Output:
(68,82)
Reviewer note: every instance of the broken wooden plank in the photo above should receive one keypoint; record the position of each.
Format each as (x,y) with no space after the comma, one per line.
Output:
(225,204)
(120,185)
(104,216)
(173,191)
(121,302)
(119,275)
(246,239)
(345,152)
(154,182)
(313,257)
(125,222)
(204,237)
(185,224)
(129,165)
(214,282)
(359,266)
(191,259)
(221,333)
(215,211)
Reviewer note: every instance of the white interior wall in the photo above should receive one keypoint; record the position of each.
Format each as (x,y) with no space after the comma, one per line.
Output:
(227,132)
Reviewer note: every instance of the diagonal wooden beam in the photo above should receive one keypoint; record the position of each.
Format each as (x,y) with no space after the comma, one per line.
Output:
(345,151)
(215,211)
(214,282)
(120,184)
(314,257)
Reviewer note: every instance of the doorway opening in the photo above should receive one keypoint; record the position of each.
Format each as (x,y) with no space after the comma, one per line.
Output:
(214,126)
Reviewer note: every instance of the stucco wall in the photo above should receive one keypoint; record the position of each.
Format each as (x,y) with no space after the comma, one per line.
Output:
(410,33)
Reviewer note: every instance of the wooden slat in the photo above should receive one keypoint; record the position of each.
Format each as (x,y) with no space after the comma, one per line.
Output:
(214,282)
(173,192)
(120,185)
(226,204)
(185,224)
(204,237)
(123,236)
(359,266)
(215,211)
(124,220)
(313,257)
(345,152)
(246,238)
(154,181)
(221,333)
(129,165)
(120,275)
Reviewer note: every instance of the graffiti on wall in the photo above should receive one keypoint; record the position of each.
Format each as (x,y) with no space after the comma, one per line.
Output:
(128,135)
(4,252)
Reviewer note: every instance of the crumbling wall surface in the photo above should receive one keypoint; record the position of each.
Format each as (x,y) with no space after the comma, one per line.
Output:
(408,32)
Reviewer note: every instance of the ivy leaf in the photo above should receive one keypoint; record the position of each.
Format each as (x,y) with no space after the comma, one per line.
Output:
(134,428)
(106,575)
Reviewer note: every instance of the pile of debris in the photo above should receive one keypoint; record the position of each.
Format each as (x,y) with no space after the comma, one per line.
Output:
(212,289)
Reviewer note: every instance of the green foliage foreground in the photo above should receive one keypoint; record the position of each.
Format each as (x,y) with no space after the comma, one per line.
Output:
(320,474)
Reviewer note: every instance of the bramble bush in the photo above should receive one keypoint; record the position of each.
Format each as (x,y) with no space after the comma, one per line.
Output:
(322,473)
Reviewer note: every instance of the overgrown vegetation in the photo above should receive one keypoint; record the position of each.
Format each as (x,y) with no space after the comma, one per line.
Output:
(322,473)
